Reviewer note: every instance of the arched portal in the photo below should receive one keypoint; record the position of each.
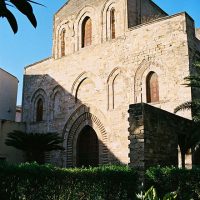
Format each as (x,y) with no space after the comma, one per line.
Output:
(80,119)
(87,148)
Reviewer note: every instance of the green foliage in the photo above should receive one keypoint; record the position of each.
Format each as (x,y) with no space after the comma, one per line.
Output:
(151,194)
(194,82)
(23,6)
(46,182)
(34,144)
(185,182)
(192,138)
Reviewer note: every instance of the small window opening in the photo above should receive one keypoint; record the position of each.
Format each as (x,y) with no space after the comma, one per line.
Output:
(112,23)
(87,32)
(39,110)
(152,87)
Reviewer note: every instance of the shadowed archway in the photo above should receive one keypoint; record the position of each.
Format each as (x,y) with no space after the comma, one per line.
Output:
(75,124)
(87,148)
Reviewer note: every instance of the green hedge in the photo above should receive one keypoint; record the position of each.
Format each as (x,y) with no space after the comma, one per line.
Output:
(185,182)
(35,182)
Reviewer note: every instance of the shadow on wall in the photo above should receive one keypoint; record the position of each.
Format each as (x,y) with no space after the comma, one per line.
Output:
(48,107)
(155,135)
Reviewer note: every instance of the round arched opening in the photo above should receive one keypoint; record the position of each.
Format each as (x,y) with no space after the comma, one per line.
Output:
(87,148)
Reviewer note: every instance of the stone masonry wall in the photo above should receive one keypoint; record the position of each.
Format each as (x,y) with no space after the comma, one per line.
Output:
(128,13)
(194,52)
(154,136)
(150,11)
(106,78)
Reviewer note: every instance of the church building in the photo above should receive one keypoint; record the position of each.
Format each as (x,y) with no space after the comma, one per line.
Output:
(107,54)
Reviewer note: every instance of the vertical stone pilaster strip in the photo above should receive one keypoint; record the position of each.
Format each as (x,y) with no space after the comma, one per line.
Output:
(136,137)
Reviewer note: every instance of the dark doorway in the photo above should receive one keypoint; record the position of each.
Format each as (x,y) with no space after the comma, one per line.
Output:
(87,148)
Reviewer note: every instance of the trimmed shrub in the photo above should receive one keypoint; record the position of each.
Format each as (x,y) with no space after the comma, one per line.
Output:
(46,182)
(168,179)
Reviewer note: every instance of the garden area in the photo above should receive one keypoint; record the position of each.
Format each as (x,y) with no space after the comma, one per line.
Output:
(31,181)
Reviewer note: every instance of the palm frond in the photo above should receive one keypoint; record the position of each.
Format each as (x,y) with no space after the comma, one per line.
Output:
(197,64)
(4,12)
(192,81)
(34,2)
(184,106)
(194,105)
(25,8)
(35,144)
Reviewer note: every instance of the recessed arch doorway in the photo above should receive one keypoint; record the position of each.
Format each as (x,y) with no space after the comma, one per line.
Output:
(87,148)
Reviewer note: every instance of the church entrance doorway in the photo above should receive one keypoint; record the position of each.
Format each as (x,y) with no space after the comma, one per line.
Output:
(87,148)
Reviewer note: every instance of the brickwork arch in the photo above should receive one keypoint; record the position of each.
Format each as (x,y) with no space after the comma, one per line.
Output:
(140,78)
(83,116)
(37,95)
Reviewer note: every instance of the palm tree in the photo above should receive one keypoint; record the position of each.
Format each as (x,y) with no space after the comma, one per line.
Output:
(194,105)
(35,145)
(192,138)
(23,6)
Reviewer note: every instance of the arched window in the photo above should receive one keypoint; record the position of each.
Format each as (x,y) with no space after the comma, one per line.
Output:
(112,23)
(87,32)
(152,87)
(39,110)
(63,43)
(57,104)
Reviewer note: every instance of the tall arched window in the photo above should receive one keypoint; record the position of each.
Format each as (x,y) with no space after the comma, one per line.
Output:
(112,23)
(57,104)
(39,110)
(63,43)
(87,32)
(152,87)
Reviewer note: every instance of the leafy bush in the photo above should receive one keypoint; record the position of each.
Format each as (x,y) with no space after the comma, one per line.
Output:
(151,194)
(185,182)
(46,182)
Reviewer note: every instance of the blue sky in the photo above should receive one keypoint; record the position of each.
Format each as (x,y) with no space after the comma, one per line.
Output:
(30,45)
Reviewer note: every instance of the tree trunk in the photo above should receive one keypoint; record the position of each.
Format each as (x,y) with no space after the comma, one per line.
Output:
(183,159)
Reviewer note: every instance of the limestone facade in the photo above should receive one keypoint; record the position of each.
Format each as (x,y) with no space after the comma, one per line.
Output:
(93,86)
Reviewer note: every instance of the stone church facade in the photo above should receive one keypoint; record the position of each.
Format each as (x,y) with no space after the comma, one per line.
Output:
(107,54)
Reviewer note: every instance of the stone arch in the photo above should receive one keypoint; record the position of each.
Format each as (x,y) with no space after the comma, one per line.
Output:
(39,94)
(140,78)
(63,43)
(85,116)
(87,11)
(57,89)
(68,27)
(108,6)
(81,78)
(110,87)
